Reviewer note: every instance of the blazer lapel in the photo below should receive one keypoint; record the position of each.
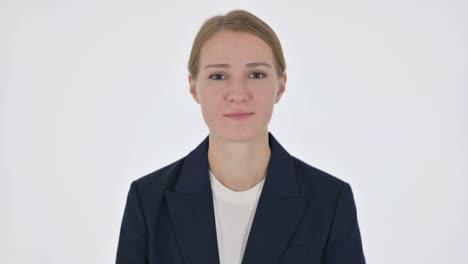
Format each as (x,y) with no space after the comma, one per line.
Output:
(279,210)
(191,209)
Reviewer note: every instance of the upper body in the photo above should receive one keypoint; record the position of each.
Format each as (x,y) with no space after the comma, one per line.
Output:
(302,215)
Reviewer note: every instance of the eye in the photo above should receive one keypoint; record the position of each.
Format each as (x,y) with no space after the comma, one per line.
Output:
(257,75)
(217,76)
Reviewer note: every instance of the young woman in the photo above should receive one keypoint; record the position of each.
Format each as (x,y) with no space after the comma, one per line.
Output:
(239,197)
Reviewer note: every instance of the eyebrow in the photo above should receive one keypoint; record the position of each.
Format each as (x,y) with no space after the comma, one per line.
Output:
(248,65)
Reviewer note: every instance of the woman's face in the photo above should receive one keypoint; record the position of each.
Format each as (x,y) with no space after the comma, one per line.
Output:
(237,74)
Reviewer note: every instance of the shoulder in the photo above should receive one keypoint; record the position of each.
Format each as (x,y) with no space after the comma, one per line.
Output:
(318,183)
(157,182)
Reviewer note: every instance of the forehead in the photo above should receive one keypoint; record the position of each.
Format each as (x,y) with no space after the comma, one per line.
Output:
(228,46)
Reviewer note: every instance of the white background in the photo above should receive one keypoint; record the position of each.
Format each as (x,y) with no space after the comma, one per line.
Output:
(95,95)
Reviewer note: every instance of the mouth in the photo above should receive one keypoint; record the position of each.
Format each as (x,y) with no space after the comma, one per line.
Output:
(239,115)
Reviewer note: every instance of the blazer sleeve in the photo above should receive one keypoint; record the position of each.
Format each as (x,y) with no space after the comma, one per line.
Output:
(344,242)
(132,246)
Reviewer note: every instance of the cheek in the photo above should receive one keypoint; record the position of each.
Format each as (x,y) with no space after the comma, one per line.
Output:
(210,104)
(264,105)
(266,98)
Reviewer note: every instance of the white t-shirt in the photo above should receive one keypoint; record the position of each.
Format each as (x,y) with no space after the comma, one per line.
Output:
(234,213)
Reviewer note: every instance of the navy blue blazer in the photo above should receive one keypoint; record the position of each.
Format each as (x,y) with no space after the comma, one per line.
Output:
(304,215)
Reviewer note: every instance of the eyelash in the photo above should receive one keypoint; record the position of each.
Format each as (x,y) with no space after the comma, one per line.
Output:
(215,74)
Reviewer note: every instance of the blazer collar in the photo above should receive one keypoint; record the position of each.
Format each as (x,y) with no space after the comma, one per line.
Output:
(194,178)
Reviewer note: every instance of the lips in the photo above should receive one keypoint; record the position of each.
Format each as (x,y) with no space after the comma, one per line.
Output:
(241,115)
(233,114)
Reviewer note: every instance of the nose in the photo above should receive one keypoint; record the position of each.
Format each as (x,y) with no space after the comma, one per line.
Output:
(238,92)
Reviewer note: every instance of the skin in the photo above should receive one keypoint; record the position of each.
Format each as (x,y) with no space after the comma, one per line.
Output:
(230,80)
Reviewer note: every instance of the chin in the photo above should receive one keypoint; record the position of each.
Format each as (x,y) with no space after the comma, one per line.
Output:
(237,136)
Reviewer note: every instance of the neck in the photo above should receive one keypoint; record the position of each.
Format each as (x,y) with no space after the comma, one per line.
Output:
(239,165)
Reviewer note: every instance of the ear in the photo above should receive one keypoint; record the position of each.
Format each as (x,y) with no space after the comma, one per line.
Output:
(282,87)
(193,90)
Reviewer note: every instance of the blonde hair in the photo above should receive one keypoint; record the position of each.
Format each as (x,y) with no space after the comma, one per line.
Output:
(238,20)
